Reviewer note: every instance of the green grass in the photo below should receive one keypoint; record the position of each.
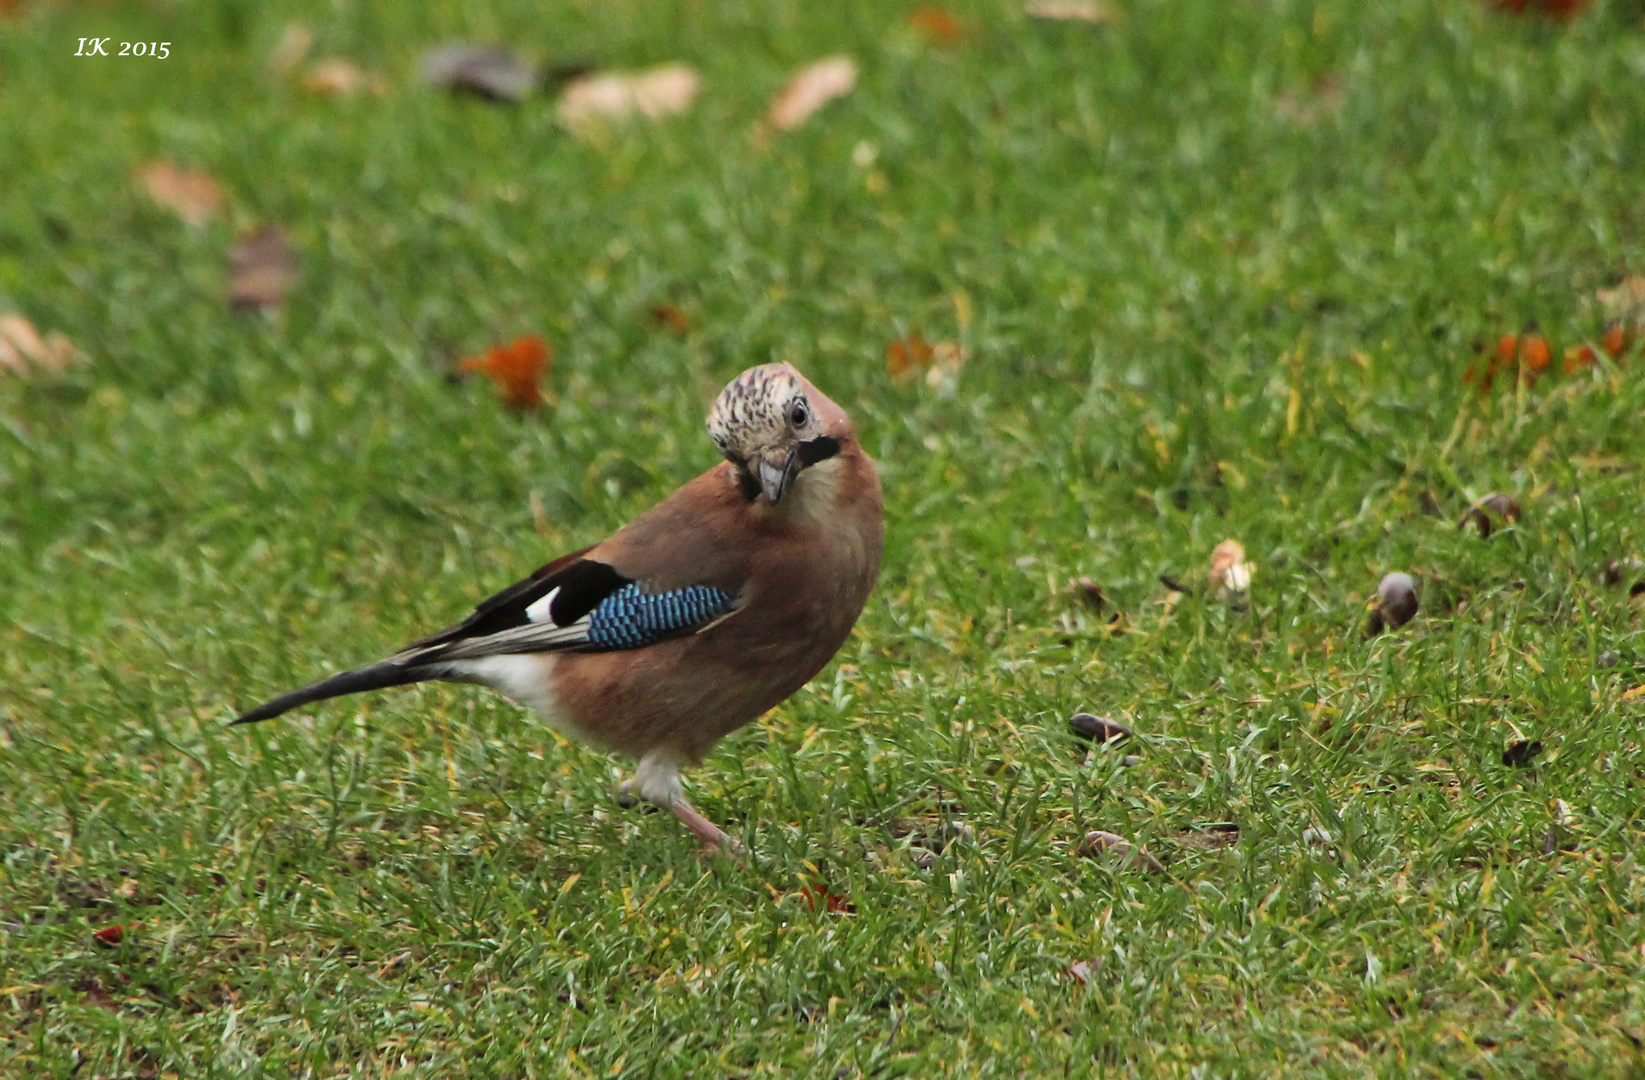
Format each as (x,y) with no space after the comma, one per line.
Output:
(1188,318)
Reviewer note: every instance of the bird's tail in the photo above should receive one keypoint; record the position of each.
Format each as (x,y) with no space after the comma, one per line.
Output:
(372,677)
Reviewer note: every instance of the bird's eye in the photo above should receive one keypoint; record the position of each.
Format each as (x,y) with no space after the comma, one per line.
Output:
(799,414)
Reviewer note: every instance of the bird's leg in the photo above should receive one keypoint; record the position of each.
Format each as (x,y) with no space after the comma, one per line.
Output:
(658,780)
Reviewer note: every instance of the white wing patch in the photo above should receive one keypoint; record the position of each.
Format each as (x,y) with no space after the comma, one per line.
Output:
(538,612)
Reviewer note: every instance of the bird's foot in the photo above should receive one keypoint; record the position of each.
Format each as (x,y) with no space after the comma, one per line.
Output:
(706,831)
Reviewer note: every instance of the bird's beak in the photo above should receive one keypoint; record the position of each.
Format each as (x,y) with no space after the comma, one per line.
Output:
(777,470)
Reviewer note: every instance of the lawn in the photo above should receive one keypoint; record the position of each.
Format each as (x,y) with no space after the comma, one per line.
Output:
(1218,269)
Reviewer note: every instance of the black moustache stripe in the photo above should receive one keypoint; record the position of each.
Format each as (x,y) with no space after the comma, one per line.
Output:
(821,448)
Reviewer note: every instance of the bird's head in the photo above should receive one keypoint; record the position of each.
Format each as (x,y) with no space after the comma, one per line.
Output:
(772,425)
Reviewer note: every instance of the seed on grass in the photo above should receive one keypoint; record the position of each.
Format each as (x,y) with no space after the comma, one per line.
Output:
(482,70)
(1084,971)
(1483,514)
(1397,603)
(1090,592)
(1230,574)
(1097,728)
(1520,752)
(261,269)
(1098,843)
(1621,568)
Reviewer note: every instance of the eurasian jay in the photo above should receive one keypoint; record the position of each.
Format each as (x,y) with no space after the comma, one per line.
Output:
(705,611)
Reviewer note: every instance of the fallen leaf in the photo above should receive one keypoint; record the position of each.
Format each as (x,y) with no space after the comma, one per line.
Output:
(936,24)
(1088,11)
(1097,729)
(24,352)
(1520,752)
(907,357)
(1554,9)
(262,268)
(337,77)
(1084,971)
(941,362)
(1306,108)
(1578,357)
(192,195)
(1230,573)
(1316,837)
(295,41)
(616,95)
(672,317)
(1616,341)
(1097,843)
(112,935)
(517,368)
(820,899)
(1625,303)
(812,87)
(484,70)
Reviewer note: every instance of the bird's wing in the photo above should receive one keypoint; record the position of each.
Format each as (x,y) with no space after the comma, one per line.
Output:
(574,603)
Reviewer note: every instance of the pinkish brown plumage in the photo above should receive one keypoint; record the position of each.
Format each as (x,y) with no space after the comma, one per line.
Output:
(707,610)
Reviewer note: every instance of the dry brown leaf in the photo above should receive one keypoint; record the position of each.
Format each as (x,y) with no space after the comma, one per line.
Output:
(24,352)
(337,77)
(941,361)
(517,368)
(191,195)
(1626,302)
(484,70)
(936,24)
(672,317)
(1089,11)
(295,41)
(617,95)
(1305,108)
(812,87)
(261,268)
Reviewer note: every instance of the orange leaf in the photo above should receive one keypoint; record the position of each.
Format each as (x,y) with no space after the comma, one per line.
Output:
(1616,341)
(1535,355)
(193,196)
(672,317)
(936,24)
(820,899)
(517,368)
(907,357)
(812,87)
(111,935)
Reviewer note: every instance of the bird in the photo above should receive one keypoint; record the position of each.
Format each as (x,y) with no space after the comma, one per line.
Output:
(707,610)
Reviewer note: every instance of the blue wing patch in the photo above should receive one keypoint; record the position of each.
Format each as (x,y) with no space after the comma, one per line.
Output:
(631,617)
